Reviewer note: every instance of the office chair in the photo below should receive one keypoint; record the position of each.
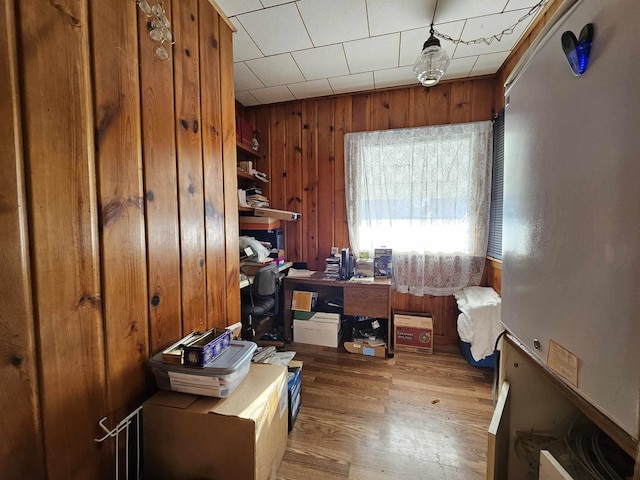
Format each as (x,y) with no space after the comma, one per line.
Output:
(261,300)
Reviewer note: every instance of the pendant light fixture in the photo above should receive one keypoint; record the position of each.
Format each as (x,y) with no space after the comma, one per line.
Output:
(432,62)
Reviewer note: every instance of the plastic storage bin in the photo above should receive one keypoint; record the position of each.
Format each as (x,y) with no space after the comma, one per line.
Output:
(218,379)
(465,349)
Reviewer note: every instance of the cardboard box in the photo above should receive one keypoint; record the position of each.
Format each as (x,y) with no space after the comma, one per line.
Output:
(366,349)
(305,301)
(271,212)
(241,437)
(413,332)
(326,334)
(317,316)
(259,223)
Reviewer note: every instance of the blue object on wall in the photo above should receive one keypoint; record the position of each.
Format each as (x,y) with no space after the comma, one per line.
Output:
(577,50)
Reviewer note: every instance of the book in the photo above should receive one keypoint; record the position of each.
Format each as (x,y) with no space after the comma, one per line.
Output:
(382,265)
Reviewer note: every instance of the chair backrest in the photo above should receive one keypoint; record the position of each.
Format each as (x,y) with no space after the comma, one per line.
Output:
(266,280)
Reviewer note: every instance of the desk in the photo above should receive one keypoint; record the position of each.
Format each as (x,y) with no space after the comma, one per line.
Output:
(366,299)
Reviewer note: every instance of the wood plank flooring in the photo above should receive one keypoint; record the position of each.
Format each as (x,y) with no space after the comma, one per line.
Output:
(413,416)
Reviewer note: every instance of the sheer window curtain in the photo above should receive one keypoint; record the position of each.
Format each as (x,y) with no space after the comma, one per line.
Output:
(424,192)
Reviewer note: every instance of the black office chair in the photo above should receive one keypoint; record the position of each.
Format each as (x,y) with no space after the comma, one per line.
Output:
(261,300)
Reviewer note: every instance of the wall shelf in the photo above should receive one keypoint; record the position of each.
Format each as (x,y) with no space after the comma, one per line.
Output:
(247,149)
(247,176)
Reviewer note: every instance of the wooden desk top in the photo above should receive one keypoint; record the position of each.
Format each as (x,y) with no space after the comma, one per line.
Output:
(318,278)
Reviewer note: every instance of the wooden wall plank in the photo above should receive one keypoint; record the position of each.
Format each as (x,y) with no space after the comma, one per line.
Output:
(161,184)
(360,113)
(213,167)
(399,108)
(190,174)
(230,168)
(341,122)
(379,110)
(310,184)
(460,102)
(58,130)
(293,170)
(23,455)
(278,192)
(326,174)
(418,107)
(439,104)
(482,99)
(119,162)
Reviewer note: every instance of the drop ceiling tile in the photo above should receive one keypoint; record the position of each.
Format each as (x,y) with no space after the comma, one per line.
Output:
(492,25)
(459,68)
(374,53)
(247,99)
(519,4)
(352,83)
(276,70)
(276,30)
(235,7)
(244,48)
(273,94)
(334,21)
(322,62)
(388,17)
(451,11)
(244,79)
(489,64)
(314,88)
(411,41)
(272,3)
(392,77)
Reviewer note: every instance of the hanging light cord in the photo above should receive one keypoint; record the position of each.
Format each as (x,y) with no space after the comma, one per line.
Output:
(488,40)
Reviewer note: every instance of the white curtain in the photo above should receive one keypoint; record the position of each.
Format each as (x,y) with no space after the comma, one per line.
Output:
(425,193)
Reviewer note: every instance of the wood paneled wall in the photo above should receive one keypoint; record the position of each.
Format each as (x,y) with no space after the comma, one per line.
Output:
(118,216)
(302,149)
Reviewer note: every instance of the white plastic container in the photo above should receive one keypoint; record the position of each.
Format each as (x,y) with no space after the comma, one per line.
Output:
(218,379)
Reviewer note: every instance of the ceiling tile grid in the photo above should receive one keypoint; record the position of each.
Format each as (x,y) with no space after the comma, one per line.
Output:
(293,49)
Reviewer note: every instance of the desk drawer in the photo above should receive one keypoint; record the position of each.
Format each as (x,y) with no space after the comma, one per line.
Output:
(368,301)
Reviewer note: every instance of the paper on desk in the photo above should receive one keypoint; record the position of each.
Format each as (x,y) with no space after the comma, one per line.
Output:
(281,358)
(297,272)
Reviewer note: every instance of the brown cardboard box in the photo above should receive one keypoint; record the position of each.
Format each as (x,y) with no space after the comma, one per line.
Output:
(366,349)
(241,437)
(259,223)
(413,332)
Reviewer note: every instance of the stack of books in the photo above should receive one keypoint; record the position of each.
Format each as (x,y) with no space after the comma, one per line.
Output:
(255,198)
(332,268)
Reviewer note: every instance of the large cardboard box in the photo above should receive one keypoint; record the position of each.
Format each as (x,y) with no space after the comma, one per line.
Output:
(322,329)
(413,332)
(241,437)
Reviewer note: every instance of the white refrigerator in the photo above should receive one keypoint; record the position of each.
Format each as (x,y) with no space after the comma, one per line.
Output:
(571,261)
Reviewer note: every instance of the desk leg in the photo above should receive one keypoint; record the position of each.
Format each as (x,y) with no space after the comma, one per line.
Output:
(287,318)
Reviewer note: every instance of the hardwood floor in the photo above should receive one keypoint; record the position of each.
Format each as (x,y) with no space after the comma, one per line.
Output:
(413,416)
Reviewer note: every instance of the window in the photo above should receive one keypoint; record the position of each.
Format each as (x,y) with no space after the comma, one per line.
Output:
(424,192)
(497,181)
